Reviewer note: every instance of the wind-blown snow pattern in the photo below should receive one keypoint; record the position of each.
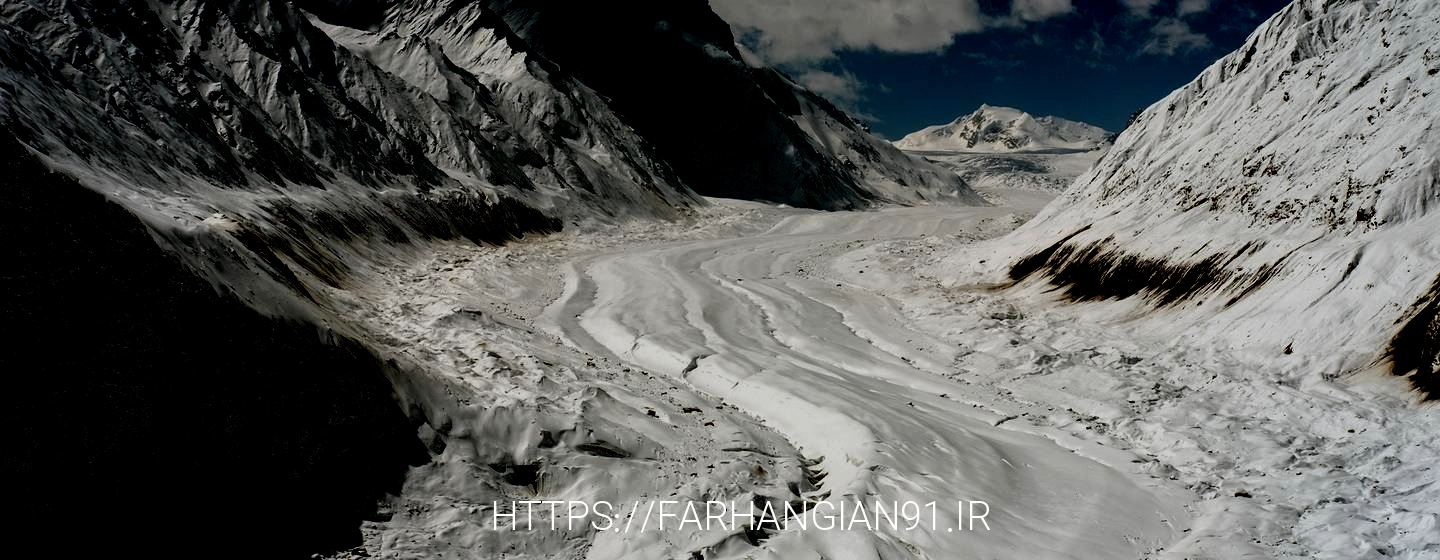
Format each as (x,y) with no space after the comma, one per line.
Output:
(1288,193)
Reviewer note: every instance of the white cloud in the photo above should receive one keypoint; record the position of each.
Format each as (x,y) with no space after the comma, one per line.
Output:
(1037,10)
(843,88)
(1188,7)
(1140,7)
(805,31)
(1170,36)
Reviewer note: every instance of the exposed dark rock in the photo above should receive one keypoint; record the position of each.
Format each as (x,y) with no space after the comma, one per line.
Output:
(1027,265)
(602,449)
(517,474)
(1101,270)
(1414,353)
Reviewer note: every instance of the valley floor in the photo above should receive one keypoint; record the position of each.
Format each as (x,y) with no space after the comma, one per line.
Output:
(757,352)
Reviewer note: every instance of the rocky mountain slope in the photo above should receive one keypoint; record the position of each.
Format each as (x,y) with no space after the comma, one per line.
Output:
(1282,203)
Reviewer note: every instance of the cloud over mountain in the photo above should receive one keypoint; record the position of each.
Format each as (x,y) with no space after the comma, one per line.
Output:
(805,31)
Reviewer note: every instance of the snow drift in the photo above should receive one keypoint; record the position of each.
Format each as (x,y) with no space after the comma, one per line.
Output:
(1284,201)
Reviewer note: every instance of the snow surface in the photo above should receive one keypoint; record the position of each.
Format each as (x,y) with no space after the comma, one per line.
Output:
(784,325)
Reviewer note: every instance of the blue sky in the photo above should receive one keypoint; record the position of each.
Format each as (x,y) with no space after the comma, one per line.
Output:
(906,64)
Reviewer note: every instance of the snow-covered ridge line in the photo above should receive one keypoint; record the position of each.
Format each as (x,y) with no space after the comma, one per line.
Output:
(1308,157)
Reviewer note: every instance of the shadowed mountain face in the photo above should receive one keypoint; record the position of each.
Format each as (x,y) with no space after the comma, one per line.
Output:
(671,70)
(151,411)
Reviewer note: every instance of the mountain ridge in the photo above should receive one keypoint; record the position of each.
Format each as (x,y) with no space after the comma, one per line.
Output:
(996,129)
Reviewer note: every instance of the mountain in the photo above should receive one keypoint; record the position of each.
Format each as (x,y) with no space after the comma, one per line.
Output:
(1005,130)
(1002,148)
(194,185)
(1282,203)
(730,128)
(888,172)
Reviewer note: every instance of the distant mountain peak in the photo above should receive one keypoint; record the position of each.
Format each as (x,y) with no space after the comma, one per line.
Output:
(997,129)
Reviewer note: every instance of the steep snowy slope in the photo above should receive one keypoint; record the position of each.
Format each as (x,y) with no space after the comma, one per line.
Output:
(143,393)
(1002,129)
(672,70)
(252,95)
(1283,202)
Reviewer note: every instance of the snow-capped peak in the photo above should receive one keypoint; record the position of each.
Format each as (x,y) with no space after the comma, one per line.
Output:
(1004,129)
